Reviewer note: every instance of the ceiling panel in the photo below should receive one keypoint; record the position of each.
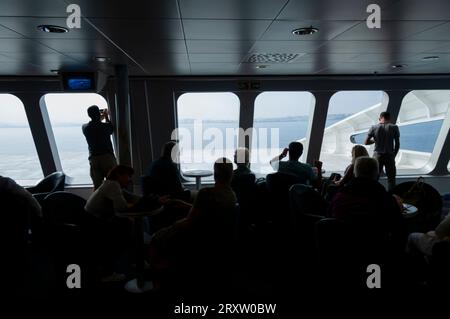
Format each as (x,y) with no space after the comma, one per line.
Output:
(417,10)
(280,69)
(382,47)
(33,8)
(440,32)
(144,29)
(282,30)
(287,46)
(214,68)
(12,68)
(225,29)
(215,57)
(231,9)
(153,9)
(6,33)
(22,45)
(212,46)
(28,27)
(79,45)
(330,9)
(390,30)
(325,58)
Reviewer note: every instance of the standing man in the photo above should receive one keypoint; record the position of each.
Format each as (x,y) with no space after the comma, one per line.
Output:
(98,136)
(386,137)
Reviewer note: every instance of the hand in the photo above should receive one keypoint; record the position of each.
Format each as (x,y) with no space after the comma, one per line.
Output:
(285,152)
(163,200)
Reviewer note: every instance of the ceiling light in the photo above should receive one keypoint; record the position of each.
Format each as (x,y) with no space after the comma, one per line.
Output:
(398,66)
(52,28)
(55,71)
(305,31)
(430,58)
(261,66)
(101,59)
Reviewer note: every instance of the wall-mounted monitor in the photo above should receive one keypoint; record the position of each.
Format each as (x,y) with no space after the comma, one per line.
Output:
(79,82)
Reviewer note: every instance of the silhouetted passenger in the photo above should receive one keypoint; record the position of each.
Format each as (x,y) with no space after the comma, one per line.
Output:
(386,137)
(210,220)
(98,136)
(423,243)
(365,199)
(294,167)
(11,188)
(163,176)
(242,161)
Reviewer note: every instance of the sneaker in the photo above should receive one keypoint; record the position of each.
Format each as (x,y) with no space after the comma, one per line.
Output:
(114,277)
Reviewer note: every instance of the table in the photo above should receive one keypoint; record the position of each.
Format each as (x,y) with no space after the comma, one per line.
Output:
(139,285)
(198,174)
(409,210)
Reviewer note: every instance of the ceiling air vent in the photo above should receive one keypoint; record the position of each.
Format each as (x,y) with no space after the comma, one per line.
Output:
(263,58)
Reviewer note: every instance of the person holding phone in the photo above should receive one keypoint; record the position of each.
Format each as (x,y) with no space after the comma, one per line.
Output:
(98,136)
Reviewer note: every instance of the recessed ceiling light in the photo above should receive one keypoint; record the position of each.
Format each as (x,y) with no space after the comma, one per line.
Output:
(55,71)
(52,28)
(261,66)
(101,59)
(430,58)
(398,66)
(305,31)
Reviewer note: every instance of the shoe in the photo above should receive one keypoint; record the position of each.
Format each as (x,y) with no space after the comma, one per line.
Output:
(114,277)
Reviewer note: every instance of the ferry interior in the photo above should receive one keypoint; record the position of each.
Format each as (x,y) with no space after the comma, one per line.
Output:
(199,79)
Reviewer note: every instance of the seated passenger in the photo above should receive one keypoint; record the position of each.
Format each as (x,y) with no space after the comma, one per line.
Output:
(294,167)
(364,198)
(163,176)
(357,151)
(111,233)
(210,217)
(423,243)
(10,187)
(242,161)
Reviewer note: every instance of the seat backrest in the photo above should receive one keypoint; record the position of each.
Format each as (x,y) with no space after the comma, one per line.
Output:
(304,199)
(63,208)
(52,183)
(281,182)
(244,186)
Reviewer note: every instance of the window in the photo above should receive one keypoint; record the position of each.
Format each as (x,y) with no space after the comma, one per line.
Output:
(279,118)
(18,156)
(207,128)
(350,115)
(423,121)
(67,113)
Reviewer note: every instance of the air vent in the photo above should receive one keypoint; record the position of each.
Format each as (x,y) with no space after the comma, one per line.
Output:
(263,58)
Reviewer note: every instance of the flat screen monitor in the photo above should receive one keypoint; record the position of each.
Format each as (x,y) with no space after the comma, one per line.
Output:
(79,82)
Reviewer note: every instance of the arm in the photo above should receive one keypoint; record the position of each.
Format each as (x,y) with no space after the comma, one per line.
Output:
(369,139)
(317,180)
(274,161)
(397,141)
(116,196)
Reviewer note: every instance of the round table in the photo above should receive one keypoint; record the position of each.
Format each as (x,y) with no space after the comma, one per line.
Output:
(139,285)
(409,210)
(198,174)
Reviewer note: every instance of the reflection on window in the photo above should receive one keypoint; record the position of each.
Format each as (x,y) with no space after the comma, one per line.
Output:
(207,128)
(18,156)
(279,118)
(350,115)
(67,113)
(420,120)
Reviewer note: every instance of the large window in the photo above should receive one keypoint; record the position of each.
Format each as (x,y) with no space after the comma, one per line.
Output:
(279,118)
(424,122)
(350,115)
(207,128)
(18,156)
(67,112)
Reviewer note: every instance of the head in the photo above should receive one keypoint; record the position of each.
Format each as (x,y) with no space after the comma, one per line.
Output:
(358,151)
(94,113)
(223,171)
(366,167)
(385,117)
(121,174)
(170,150)
(242,156)
(295,151)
